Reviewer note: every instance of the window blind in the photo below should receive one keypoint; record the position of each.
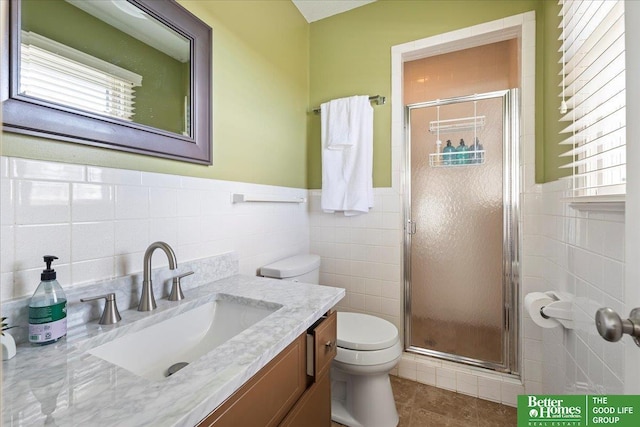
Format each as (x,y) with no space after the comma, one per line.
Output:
(57,73)
(593,59)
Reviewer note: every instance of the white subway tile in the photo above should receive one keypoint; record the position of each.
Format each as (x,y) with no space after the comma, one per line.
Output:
(467,384)
(357,301)
(6,286)
(7,244)
(533,387)
(407,369)
(152,179)
(132,202)
(41,170)
(510,392)
(34,241)
(42,202)
(189,202)
(92,271)
(446,378)
(426,375)
(533,349)
(7,201)
(163,202)
(489,389)
(113,176)
(533,370)
(131,236)
(4,167)
(92,202)
(129,263)
(372,304)
(92,240)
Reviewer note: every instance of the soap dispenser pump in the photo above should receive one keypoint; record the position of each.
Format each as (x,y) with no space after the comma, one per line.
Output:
(47,308)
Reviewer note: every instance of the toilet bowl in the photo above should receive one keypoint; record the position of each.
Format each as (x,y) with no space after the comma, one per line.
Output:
(368,347)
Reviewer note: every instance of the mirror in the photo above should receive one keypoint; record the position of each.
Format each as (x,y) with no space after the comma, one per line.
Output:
(134,75)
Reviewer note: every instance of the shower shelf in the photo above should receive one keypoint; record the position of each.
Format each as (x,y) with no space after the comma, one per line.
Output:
(457,125)
(442,160)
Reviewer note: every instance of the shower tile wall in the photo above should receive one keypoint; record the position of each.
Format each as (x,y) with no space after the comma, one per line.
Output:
(99,221)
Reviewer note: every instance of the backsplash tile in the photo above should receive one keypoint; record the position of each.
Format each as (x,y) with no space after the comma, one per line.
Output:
(99,221)
(42,202)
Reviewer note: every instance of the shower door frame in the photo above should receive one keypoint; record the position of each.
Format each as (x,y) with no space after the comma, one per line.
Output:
(511,232)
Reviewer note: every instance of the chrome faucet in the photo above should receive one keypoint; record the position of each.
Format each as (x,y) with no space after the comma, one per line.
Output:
(147,300)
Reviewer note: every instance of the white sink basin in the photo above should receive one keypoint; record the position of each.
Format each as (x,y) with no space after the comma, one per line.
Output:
(184,338)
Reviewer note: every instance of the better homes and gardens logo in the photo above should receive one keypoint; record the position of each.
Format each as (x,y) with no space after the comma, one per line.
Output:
(554,410)
(578,411)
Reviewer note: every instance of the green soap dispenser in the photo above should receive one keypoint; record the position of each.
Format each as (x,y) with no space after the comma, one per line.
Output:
(462,157)
(48,308)
(448,157)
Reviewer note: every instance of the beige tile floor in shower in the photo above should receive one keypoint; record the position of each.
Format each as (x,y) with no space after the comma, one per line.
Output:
(421,405)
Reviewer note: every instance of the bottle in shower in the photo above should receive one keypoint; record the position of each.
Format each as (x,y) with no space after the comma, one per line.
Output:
(462,157)
(448,156)
(438,159)
(476,154)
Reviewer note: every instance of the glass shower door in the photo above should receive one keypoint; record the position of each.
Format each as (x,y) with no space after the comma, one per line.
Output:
(460,241)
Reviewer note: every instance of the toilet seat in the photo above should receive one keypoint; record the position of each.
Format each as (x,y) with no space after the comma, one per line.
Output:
(370,357)
(366,340)
(357,331)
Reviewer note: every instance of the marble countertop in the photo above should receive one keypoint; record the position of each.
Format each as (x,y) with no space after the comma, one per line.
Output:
(62,384)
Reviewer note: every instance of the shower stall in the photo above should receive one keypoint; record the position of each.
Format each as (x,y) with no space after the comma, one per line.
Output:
(461,240)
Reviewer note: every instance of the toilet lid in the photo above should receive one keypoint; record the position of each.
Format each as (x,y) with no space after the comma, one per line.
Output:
(358,331)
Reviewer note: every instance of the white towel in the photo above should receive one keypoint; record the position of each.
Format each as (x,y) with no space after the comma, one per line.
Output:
(347,183)
(336,121)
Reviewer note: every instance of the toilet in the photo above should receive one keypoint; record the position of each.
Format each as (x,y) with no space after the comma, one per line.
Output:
(368,347)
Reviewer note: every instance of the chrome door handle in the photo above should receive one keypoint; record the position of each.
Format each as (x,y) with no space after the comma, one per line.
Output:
(611,327)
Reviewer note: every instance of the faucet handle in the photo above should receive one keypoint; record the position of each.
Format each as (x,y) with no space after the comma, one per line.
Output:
(110,314)
(176,290)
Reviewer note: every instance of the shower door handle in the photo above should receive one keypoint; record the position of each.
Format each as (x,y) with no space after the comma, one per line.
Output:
(411,227)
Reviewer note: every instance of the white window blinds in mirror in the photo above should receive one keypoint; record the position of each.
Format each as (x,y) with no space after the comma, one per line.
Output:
(593,53)
(54,72)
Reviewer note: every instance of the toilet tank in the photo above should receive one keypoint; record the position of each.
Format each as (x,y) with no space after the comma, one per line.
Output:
(299,268)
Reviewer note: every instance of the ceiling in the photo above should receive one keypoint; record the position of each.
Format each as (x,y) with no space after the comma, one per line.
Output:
(314,10)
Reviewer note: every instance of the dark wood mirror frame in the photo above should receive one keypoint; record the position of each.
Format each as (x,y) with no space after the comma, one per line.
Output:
(26,115)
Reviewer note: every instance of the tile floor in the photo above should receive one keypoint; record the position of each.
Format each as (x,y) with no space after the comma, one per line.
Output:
(421,405)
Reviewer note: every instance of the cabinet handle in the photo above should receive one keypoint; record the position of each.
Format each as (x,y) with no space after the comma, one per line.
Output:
(330,344)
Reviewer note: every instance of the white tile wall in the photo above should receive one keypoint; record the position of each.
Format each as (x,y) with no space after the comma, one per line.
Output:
(99,221)
(581,252)
(362,254)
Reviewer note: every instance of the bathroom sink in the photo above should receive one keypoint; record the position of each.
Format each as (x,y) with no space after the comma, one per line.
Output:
(177,341)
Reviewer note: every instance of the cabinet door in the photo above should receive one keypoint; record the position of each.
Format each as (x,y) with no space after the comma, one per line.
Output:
(267,397)
(325,344)
(314,408)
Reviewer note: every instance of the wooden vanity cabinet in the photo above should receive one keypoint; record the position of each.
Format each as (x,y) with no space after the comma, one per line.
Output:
(292,390)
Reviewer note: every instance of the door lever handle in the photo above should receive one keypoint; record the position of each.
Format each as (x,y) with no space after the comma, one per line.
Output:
(611,327)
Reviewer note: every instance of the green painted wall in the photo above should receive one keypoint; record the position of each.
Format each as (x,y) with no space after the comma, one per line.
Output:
(160,99)
(260,99)
(270,66)
(351,54)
